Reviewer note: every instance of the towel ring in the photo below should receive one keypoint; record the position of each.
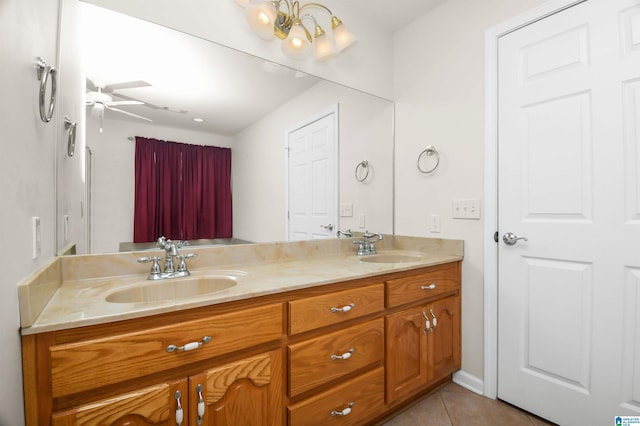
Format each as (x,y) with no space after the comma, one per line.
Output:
(70,126)
(429,152)
(44,72)
(362,165)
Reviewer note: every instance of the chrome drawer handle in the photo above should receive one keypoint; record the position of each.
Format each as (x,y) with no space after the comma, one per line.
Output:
(189,346)
(345,355)
(344,412)
(347,308)
(428,287)
(179,412)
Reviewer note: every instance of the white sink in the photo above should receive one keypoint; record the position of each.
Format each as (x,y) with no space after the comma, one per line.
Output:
(173,288)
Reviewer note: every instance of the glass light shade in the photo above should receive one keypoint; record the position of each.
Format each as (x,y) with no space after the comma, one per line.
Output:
(296,45)
(261,18)
(342,36)
(97,110)
(243,3)
(323,47)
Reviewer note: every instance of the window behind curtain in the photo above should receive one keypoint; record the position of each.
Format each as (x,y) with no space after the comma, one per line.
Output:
(182,191)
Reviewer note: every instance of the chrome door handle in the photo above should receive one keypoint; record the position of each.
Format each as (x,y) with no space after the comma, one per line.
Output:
(328,227)
(510,238)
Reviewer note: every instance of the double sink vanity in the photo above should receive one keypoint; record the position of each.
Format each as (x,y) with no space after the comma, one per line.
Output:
(297,333)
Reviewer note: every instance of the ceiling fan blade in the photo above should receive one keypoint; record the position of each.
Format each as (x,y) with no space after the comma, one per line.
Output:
(91,85)
(128,113)
(125,85)
(119,103)
(120,95)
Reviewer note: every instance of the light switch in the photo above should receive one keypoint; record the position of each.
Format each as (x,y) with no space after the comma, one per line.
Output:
(346,210)
(466,209)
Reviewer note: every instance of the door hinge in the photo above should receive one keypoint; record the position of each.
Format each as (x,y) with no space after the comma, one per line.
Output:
(495,237)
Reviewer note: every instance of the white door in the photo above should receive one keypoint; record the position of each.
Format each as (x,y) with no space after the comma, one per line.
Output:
(313,180)
(569,181)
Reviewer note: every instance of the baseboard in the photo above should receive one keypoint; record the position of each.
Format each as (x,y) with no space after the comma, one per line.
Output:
(469,381)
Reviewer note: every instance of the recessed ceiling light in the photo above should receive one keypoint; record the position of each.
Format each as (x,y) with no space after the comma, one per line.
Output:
(198,120)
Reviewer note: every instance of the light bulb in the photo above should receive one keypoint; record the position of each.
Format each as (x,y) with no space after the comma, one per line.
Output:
(342,36)
(296,45)
(261,18)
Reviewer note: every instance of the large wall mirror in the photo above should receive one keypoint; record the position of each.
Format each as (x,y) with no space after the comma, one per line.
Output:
(249,105)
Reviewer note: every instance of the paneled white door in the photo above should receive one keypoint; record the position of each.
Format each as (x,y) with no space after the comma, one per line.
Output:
(569,181)
(313,179)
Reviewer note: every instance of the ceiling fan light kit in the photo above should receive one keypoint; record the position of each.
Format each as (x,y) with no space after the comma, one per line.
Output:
(99,99)
(269,20)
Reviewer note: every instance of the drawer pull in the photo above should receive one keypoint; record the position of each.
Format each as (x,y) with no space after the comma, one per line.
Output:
(200,405)
(345,355)
(435,320)
(189,346)
(427,323)
(344,412)
(428,287)
(347,308)
(179,412)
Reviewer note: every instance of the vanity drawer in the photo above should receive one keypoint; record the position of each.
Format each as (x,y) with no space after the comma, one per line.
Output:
(365,394)
(89,364)
(311,362)
(319,311)
(438,280)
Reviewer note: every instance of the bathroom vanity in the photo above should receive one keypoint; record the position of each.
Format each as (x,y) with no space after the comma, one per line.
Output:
(341,341)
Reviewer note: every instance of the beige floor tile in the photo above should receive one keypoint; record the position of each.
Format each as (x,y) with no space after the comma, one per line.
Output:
(429,411)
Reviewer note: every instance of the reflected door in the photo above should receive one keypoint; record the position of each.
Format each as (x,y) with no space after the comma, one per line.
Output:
(568,181)
(313,179)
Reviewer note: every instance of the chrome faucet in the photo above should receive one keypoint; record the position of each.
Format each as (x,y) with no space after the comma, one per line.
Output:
(342,233)
(366,245)
(171,252)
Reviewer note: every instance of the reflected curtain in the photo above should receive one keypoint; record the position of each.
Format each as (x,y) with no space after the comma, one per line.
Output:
(182,191)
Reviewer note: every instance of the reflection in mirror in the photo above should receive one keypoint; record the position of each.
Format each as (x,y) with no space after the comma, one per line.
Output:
(249,105)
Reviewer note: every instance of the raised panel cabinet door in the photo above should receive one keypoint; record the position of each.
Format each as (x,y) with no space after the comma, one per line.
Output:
(444,346)
(155,405)
(244,392)
(406,353)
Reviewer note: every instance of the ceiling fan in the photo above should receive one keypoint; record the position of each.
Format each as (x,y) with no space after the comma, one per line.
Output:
(100,98)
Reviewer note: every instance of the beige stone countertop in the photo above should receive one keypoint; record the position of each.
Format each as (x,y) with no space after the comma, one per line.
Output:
(83,301)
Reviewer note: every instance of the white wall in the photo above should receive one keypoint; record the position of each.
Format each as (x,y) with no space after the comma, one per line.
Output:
(438,87)
(28,29)
(366,66)
(113,174)
(260,162)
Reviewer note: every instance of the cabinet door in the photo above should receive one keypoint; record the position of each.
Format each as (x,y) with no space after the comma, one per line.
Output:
(406,353)
(155,405)
(245,392)
(444,342)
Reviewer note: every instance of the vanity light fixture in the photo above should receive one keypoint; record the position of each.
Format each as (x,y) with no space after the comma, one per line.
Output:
(267,19)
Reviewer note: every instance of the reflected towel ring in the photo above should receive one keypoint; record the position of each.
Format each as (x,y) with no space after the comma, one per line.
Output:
(429,152)
(70,126)
(362,165)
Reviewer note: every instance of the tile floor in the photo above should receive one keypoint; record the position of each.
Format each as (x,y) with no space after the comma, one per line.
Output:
(454,405)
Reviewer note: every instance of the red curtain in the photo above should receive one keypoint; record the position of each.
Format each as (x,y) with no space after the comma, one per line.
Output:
(182,191)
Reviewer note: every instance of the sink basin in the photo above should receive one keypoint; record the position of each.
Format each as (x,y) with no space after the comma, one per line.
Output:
(391,258)
(170,289)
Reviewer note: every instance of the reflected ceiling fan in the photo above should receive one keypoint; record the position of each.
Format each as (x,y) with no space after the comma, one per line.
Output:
(100,98)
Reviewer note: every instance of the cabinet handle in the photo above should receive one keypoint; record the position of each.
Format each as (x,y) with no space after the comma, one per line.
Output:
(189,346)
(428,287)
(179,412)
(200,405)
(347,308)
(345,355)
(435,320)
(427,323)
(344,412)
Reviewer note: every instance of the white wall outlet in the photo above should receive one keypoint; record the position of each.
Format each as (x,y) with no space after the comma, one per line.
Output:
(434,223)
(361,221)
(37,237)
(346,210)
(466,209)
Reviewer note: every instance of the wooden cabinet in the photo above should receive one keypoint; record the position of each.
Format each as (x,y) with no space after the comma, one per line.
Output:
(349,353)
(423,338)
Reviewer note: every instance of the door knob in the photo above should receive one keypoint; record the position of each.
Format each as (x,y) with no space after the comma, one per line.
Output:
(510,238)
(329,227)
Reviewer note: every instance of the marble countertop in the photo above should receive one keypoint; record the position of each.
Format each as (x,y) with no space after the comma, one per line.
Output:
(83,301)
